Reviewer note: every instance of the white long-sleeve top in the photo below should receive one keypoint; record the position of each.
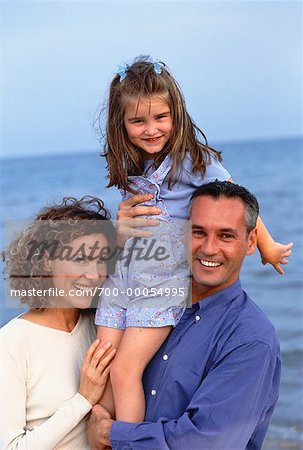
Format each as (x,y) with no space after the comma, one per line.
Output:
(40,408)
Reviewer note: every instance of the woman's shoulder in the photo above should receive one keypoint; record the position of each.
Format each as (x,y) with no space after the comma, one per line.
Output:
(12,326)
(14,334)
(19,346)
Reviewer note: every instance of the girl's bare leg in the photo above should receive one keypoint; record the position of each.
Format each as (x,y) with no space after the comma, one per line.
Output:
(114,336)
(136,349)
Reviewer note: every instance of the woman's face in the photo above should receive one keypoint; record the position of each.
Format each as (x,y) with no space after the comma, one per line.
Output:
(78,272)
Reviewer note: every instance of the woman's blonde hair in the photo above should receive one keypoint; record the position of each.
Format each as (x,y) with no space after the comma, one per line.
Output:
(54,227)
(123,158)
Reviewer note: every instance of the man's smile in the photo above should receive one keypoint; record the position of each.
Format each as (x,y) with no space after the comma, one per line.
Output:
(206,263)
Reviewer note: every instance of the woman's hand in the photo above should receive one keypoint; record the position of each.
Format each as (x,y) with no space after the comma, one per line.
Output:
(95,371)
(128,224)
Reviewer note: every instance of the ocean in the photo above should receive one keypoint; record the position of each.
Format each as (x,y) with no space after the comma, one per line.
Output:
(272,170)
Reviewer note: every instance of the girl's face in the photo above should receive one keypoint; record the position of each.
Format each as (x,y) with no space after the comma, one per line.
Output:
(148,124)
(78,273)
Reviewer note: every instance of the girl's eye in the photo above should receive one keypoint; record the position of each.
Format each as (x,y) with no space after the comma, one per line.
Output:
(137,121)
(162,117)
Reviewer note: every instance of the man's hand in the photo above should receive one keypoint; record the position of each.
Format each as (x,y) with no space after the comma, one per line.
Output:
(129,223)
(98,428)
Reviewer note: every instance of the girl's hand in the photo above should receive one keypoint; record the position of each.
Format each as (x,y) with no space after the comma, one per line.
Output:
(128,224)
(95,371)
(276,254)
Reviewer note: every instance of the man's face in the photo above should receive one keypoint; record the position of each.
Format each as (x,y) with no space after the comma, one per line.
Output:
(219,243)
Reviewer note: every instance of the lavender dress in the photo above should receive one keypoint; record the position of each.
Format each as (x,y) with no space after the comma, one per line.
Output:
(150,284)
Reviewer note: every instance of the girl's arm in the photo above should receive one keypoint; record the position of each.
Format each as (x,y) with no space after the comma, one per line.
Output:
(271,252)
(13,394)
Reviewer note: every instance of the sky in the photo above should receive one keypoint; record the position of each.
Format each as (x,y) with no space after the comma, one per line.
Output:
(239,64)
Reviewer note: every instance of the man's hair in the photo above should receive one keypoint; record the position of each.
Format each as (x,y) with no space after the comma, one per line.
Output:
(226,189)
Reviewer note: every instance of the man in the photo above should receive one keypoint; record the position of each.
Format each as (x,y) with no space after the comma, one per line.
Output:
(214,383)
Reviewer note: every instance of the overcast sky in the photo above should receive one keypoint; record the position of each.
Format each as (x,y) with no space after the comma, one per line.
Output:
(239,64)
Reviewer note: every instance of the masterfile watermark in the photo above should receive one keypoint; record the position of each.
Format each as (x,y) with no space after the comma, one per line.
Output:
(161,258)
(140,250)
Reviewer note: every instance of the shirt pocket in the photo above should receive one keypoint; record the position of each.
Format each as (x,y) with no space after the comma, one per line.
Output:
(181,386)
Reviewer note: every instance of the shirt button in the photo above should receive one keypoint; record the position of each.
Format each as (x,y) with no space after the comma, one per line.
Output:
(153,392)
(197,318)
(165,357)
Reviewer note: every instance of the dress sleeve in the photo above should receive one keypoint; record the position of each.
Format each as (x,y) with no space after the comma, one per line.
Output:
(13,393)
(222,413)
(214,171)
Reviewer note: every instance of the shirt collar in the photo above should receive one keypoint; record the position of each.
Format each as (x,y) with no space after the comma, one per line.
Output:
(221,298)
(167,162)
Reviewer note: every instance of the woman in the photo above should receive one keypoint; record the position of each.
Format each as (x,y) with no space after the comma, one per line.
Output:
(55,263)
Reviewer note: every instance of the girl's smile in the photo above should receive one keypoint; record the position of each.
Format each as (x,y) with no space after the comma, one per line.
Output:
(148,124)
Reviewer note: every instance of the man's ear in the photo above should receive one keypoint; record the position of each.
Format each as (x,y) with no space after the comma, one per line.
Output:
(252,242)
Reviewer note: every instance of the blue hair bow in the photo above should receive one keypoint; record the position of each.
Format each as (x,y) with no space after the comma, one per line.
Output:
(158,65)
(122,72)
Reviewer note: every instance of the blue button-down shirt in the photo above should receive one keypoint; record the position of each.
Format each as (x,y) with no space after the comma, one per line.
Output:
(213,384)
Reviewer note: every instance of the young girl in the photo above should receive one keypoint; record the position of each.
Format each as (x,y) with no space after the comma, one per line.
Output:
(153,147)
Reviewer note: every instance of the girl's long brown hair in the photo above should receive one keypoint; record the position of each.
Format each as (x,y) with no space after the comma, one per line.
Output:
(123,158)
